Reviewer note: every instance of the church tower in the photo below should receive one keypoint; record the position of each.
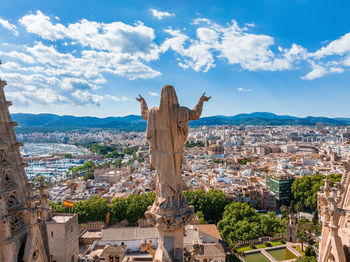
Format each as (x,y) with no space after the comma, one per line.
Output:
(21,236)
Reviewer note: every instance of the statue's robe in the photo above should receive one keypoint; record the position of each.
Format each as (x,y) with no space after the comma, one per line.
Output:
(167,131)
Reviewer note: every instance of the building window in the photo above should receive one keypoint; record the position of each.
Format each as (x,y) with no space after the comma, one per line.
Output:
(72,259)
(71,229)
(51,233)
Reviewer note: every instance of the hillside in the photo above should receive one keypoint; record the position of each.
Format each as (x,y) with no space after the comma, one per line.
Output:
(133,122)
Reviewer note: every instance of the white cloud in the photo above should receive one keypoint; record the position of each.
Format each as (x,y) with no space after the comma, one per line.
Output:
(9,26)
(339,46)
(160,15)
(232,43)
(40,24)
(249,24)
(317,72)
(136,40)
(241,89)
(117,99)
(41,96)
(199,53)
(85,97)
(334,58)
(20,56)
(41,73)
(153,93)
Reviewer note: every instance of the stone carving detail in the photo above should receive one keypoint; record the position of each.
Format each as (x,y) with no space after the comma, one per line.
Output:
(5,227)
(167,131)
(12,199)
(3,157)
(146,246)
(197,249)
(17,221)
(7,179)
(35,255)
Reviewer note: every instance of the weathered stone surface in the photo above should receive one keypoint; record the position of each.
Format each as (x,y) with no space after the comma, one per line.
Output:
(167,131)
(20,234)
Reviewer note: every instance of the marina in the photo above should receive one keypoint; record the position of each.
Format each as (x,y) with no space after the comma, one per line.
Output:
(48,160)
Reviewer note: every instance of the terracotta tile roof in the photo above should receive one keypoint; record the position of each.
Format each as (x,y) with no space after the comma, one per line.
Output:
(210,230)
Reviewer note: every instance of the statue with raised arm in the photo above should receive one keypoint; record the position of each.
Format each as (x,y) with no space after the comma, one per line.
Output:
(167,131)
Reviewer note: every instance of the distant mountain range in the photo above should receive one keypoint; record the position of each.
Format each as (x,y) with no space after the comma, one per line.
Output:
(133,122)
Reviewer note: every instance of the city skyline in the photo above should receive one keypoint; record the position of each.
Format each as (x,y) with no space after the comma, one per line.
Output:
(290,58)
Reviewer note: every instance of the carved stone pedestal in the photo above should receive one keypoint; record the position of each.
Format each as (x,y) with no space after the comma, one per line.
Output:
(170,245)
(170,218)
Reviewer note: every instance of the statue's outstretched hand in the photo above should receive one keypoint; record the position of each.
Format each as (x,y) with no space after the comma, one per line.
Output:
(205,98)
(140,99)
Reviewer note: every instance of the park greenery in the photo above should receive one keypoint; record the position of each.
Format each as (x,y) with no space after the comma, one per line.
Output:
(235,221)
(245,161)
(307,232)
(241,222)
(96,208)
(211,204)
(305,190)
(208,205)
(85,170)
(194,144)
(111,151)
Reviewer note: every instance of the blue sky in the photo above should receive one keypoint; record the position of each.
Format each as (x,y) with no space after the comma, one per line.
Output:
(94,57)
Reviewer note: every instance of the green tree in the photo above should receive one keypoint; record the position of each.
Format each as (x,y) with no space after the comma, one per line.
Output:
(310,252)
(87,168)
(315,218)
(305,189)
(285,211)
(201,218)
(138,205)
(68,155)
(239,222)
(305,231)
(271,225)
(118,209)
(211,204)
(242,222)
(96,208)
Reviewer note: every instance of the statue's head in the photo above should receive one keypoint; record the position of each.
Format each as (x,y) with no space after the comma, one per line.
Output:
(168,96)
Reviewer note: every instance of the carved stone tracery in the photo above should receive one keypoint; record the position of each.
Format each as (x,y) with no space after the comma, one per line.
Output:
(3,157)
(17,221)
(12,199)
(7,179)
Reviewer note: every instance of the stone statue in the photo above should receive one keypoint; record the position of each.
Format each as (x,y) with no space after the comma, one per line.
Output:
(167,131)
(146,246)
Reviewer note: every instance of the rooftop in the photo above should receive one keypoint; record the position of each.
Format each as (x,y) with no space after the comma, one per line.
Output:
(61,218)
(128,233)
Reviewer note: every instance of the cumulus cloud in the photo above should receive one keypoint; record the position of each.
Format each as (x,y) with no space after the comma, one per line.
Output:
(333,58)
(117,99)
(160,15)
(6,24)
(42,73)
(232,43)
(99,49)
(115,37)
(319,71)
(40,24)
(153,93)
